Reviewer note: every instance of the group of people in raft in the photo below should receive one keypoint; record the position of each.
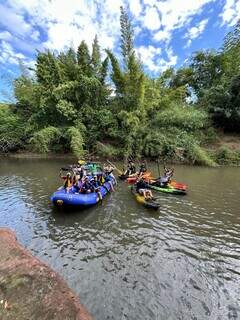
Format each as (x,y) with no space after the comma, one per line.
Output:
(141,185)
(81,181)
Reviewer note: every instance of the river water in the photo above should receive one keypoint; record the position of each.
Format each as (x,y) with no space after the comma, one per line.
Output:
(125,261)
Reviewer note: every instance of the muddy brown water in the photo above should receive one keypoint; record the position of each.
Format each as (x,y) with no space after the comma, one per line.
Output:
(126,261)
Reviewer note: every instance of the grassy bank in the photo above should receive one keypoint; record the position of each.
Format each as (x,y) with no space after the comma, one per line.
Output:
(225,150)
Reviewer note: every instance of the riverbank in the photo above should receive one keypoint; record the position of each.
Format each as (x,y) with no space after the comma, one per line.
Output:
(225,151)
(29,289)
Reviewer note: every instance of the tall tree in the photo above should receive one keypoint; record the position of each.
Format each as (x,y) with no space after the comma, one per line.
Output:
(83,58)
(126,36)
(96,57)
(130,82)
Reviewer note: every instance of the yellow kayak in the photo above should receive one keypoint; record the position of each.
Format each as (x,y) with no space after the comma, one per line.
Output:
(146,203)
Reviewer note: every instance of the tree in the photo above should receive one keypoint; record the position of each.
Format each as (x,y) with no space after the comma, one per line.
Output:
(96,57)
(129,82)
(207,69)
(83,58)
(47,70)
(126,36)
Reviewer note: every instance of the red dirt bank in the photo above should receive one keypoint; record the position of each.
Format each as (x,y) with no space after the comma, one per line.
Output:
(30,290)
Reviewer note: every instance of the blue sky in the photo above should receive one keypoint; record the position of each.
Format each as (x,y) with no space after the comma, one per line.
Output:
(166,31)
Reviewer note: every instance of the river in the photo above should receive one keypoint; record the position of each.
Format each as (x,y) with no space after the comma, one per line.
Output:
(126,261)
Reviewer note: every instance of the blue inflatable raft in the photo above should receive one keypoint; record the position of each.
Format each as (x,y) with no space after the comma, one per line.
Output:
(61,198)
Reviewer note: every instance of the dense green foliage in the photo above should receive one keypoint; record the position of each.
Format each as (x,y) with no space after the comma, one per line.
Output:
(214,78)
(12,133)
(78,102)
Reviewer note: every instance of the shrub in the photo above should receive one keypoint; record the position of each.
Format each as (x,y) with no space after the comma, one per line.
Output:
(186,118)
(107,151)
(44,139)
(12,134)
(76,141)
(198,155)
(224,155)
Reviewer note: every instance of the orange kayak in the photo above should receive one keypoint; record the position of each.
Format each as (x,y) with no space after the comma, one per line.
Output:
(146,177)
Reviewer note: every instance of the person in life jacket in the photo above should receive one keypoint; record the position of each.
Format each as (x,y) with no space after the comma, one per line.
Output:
(96,186)
(131,169)
(108,176)
(86,186)
(68,182)
(108,172)
(141,188)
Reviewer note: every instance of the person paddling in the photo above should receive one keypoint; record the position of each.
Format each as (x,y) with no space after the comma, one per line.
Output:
(168,173)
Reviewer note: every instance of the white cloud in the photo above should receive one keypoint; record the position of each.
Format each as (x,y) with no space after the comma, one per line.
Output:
(149,2)
(172,59)
(135,7)
(13,21)
(151,19)
(71,21)
(170,15)
(137,30)
(5,35)
(153,60)
(231,12)
(162,35)
(148,55)
(177,13)
(8,55)
(195,31)
(35,35)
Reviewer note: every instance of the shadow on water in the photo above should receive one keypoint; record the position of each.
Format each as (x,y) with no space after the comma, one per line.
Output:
(128,262)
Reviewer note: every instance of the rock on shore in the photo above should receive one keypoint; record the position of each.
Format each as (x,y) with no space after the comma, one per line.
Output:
(30,290)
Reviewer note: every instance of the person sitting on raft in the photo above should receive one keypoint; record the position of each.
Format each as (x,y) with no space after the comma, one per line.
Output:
(96,187)
(108,171)
(86,186)
(77,185)
(108,177)
(79,172)
(100,179)
(68,182)
(141,189)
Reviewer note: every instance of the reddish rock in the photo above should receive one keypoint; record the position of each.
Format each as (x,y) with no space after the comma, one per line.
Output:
(30,290)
